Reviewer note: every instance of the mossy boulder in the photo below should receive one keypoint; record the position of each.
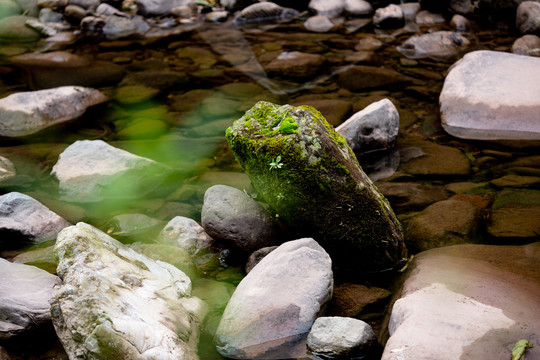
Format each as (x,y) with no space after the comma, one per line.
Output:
(310,177)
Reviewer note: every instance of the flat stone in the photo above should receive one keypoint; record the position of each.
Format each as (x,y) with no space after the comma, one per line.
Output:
(116,303)
(362,77)
(515,214)
(433,159)
(516,181)
(447,222)
(277,302)
(26,113)
(25,292)
(510,110)
(296,65)
(92,170)
(467,302)
(407,196)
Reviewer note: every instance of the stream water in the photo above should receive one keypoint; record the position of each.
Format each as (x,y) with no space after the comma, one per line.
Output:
(222,71)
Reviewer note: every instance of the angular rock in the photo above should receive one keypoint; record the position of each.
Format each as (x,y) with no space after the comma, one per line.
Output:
(116,303)
(232,216)
(448,222)
(528,17)
(438,45)
(341,337)
(24,219)
(515,214)
(509,111)
(26,113)
(467,302)
(390,16)
(526,45)
(277,302)
(92,170)
(296,65)
(374,128)
(306,172)
(25,292)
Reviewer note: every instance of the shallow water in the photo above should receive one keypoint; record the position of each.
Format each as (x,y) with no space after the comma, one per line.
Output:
(183,125)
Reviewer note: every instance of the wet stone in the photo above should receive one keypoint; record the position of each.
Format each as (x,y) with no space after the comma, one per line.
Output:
(406,196)
(515,214)
(438,45)
(296,65)
(526,45)
(350,300)
(361,78)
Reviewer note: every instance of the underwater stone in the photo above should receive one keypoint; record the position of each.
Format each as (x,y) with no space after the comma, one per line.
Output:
(308,174)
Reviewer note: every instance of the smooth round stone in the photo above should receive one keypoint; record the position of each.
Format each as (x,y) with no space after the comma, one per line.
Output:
(14,29)
(319,23)
(427,18)
(358,7)
(9,8)
(459,23)
(528,17)
(526,44)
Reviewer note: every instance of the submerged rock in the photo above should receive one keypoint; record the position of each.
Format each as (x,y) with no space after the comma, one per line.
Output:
(438,45)
(114,303)
(296,65)
(306,172)
(92,170)
(24,219)
(264,12)
(467,302)
(25,292)
(515,215)
(26,113)
(510,110)
(277,302)
(374,128)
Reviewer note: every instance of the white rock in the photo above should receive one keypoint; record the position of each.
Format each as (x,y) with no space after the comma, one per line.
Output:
(160,7)
(526,45)
(114,303)
(92,170)
(26,113)
(25,292)
(389,16)
(328,8)
(436,45)
(358,7)
(28,218)
(278,301)
(490,95)
(185,233)
(373,128)
(319,24)
(341,337)
(528,17)
(467,302)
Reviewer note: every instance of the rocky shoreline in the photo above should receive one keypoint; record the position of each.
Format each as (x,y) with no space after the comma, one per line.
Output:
(137,231)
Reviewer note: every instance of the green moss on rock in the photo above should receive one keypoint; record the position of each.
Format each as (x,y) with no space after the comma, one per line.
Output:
(320,190)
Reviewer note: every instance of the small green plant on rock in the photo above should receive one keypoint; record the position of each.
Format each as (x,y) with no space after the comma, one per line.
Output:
(519,349)
(276,164)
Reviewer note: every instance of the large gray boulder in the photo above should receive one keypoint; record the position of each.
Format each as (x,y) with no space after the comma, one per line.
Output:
(233,217)
(374,128)
(306,172)
(24,219)
(491,95)
(277,302)
(25,292)
(467,302)
(114,303)
(92,170)
(26,113)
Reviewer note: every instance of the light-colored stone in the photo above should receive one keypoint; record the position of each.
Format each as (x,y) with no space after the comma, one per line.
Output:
(328,8)
(159,7)
(358,7)
(25,292)
(319,23)
(467,302)
(526,45)
(116,303)
(92,170)
(374,128)
(185,233)
(390,16)
(491,95)
(26,113)
(528,17)
(438,45)
(277,302)
(26,219)
(341,337)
